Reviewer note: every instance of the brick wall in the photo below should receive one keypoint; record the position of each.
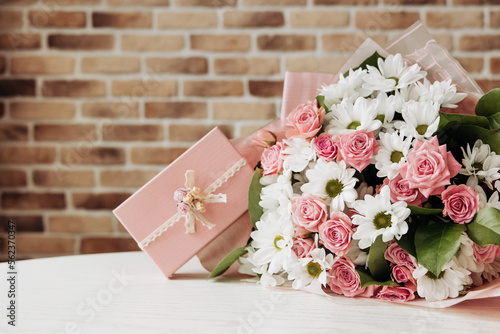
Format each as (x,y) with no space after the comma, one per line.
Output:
(97,96)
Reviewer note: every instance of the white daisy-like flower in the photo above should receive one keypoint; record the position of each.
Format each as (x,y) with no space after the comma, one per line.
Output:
(276,196)
(391,74)
(465,255)
(333,182)
(450,282)
(484,201)
(392,154)
(311,270)
(387,106)
(357,255)
(491,272)
(443,93)
(347,88)
(378,216)
(297,154)
(273,241)
(481,162)
(360,115)
(421,119)
(249,267)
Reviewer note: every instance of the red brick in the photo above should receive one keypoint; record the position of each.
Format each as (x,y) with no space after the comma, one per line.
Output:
(129,178)
(91,245)
(320,19)
(415,2)
(42,110)
(11,19)
(445,40)
(56,19)
(479,42)
(274,2)
(220,43)
(152,43)
(192,132)
(27,154)
(17,87)
(241,110)
(495,65)
(476,2)
(205,3)
(495,19)
(98,201)
(346,2)
(12,178)
(23,223)
(213,88)
(266,88)
(176,110)
(92,155)
(455,19)
(138,3)
(2,110)
(81,42)
(33,201)
(471,64)
(385,20)
(348,42)
(190,65)
(37,243)
(122,20)
(13,132)
(110,65)
(187,20)
(488,84)
(17,2)
(2,64)
(122,109)
(139,89)
(246,19)
(73,2)
(19,41)
(80,224)
(312,64)
(74,88)
(156,155)
(242,66)
(134,132)
(42,65)
(286,42)
(63,178)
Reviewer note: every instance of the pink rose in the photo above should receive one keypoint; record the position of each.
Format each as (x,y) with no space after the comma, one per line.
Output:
(357,148)
(308,211)
(325,147)
(179,194)
(461,203)
(395,293)
(404,275)
(271,160)
(398,256)
(305,120)
(264,138)
(484,254)
(303,247)
(429,167)
(401,191)
(300,232)
(336,233)
(183,208)
(344,280)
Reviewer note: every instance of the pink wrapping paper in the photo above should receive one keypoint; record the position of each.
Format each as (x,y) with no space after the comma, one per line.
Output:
(153,204)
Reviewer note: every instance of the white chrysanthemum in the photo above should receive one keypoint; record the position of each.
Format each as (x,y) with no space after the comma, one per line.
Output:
(450,282)
(273,241)
(360,115)
(311,270)
(443,93)
(481,162)
(484,201)
(378,216)
(347,88)
(421,119)
(387,106)
(249,267)
(391,74)
(357,255)
(404,95)
(465,255)
(276,196)
(392,154)
(297,154)
(333,182)
(491,272)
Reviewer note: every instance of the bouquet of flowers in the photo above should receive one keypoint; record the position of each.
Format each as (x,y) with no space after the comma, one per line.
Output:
(376,192)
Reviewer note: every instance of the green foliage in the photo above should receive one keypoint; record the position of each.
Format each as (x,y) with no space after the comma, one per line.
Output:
(366,278)
(417,210)
(228,261)
(254,209)
(485,228)
(489,104)
(372,61)
(377,262)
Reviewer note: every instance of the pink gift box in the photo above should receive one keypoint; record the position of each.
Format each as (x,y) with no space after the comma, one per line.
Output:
(147,210)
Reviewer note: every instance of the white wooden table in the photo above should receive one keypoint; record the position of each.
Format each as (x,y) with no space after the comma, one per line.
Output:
(90,294)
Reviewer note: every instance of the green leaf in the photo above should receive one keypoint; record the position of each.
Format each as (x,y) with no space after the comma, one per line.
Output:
(417,210)
(489,103)
(447,121)
(494,121)
(366,279)
(490,137)
(436,243)
(372,61)
(228,261)
(407,241)
(254,209)
(321,103)
(376,260)
(485,228)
